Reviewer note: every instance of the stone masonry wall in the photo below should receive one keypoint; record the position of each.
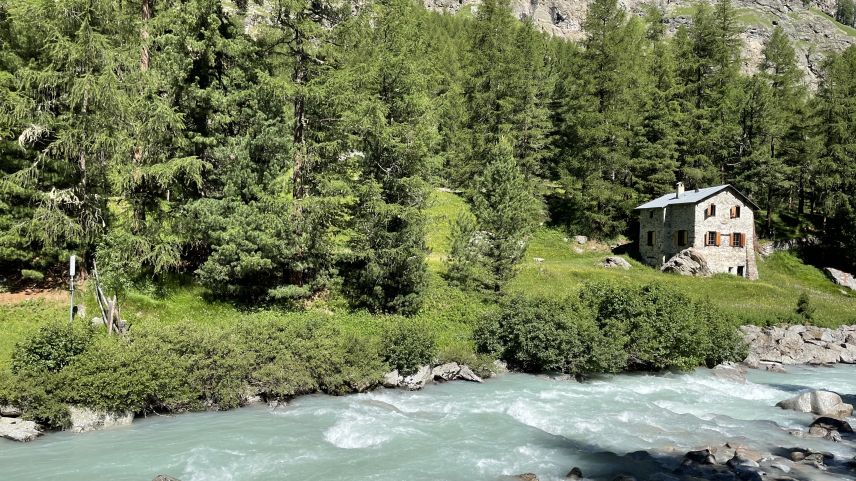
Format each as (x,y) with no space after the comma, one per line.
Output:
(724,257)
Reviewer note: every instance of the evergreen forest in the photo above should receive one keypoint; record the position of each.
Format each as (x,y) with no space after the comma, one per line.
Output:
(278,152)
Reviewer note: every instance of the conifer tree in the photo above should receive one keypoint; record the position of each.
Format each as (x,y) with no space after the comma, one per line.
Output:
(505,211)
(395,132)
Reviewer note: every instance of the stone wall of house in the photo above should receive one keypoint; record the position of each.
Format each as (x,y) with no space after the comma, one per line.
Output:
(665,223)
(725,258)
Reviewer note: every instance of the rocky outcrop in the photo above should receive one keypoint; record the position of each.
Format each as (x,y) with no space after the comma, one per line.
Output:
(85,419)
(799,345)
(688,262)
(450,371)
(823,403)
(841,278)
(615,262)
(16,429)
(808,25)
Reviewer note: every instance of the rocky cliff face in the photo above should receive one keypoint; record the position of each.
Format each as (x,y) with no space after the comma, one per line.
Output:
(809,26)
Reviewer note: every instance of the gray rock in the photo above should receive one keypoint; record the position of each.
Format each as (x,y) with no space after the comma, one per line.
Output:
(164,477)
(841,278)
(824,403)
(419,379)
(17,429)
(85,419)
(446,372)
(615,262)
(730,371)
(580,239)
(499,367)
(467,374)
(392,379)
(525,477)
(752,361)
(702,456)
(739,460)
(11,411)
(688,262)
(574,474)
(832,424)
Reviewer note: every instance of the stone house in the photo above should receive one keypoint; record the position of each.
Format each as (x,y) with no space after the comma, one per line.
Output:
(714,225)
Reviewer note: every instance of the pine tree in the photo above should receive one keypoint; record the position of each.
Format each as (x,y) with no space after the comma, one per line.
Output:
(845,12)
(506,211)
(395,132)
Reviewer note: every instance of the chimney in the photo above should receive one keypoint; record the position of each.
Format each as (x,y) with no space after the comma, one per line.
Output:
(680,190)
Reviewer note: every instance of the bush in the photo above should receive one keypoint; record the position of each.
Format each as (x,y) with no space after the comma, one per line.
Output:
(805,310)
(662,328)
(608,329)
(140,376)
(32,275)
(406,345)
(33,393)
(541,334)
(52,347)
(481,364)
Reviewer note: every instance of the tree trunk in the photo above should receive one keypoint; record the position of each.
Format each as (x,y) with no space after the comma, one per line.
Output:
(144,34)
(801,203)
(299,135)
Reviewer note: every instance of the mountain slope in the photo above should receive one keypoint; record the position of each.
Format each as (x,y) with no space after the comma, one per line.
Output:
(809,26)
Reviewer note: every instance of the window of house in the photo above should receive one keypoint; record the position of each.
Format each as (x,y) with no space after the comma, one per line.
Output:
(711,239)
(651,214)
(682,238)
(735,212)
(710,211)
(740,270)
(650,238)
(737,240)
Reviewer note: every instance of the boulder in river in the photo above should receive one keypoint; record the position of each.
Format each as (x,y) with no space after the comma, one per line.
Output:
(84,419)
(446,372)
(525,477)
(731,372)
(467,374)
(164,477)
(824,403)
(574,474)
(17,429)
(831,424)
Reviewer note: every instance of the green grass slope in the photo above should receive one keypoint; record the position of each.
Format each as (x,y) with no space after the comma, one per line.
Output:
(451,313)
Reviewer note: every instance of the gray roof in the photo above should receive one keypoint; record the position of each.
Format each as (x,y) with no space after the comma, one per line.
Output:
(693,196)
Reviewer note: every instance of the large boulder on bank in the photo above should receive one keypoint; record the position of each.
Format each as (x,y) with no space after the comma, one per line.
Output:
(841,278)
(392,379)
(688,262)
(85,419)
(419,379)
(824,403)
(17,429)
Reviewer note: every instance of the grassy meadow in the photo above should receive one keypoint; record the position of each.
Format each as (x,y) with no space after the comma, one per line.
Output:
(451,313)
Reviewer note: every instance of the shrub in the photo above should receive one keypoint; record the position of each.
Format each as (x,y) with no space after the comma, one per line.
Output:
(140,376)
(805,310)
(32,275)
(406,345)
(52,347)
(535,334)
(481,364)
(33,393)
(662,328)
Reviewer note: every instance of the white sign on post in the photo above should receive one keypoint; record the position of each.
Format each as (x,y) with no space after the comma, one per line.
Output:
(72,265)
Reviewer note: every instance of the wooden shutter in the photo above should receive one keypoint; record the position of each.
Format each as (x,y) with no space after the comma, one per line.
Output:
(742,240)
(733,212)
(718,239)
